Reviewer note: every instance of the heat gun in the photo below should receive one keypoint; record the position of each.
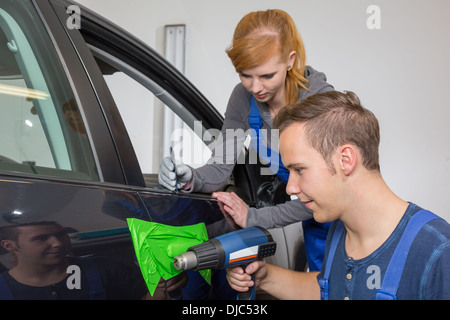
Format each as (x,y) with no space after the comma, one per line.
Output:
(232,249)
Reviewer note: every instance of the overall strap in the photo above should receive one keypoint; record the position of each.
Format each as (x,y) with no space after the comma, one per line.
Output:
(254,119)
(96,289)
(323,283)
(388,290)
(256,123)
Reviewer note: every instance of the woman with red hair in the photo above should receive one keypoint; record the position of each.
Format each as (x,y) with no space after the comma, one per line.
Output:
(269,56)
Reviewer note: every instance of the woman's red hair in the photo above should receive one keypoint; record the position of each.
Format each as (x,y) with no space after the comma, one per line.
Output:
(261,34)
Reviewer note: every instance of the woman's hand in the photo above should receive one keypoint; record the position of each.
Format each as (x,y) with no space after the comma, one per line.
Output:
(233,205)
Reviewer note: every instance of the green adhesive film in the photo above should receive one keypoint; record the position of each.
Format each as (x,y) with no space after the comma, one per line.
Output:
(157,244)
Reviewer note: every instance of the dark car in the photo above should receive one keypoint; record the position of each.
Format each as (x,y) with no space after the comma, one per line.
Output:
(67,156)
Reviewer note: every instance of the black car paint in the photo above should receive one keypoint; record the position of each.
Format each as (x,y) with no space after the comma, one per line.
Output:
(95,213)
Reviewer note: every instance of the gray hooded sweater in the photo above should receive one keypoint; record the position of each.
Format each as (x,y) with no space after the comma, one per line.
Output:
(214,175)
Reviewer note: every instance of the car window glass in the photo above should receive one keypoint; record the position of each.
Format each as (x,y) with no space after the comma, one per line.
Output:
(143,105)
(41,127)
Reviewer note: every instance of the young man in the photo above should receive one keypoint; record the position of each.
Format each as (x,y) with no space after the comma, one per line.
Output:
(329,143)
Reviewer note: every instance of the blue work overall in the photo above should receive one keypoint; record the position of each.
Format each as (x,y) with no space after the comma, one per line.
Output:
(314,233)
(388,290)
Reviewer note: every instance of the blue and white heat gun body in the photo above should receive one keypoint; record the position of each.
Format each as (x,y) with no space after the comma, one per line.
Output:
(232,249)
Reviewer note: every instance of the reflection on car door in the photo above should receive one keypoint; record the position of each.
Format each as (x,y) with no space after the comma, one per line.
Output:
(65,159)
(50,167)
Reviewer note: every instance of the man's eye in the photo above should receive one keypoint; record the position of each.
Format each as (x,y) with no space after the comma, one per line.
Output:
(41,238)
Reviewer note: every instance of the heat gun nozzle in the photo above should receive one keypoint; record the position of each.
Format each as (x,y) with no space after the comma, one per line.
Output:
(185,261)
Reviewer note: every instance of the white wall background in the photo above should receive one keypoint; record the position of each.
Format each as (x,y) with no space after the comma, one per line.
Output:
(401,71)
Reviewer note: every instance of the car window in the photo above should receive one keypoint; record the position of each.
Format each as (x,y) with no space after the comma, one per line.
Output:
(146,108)
(41,127)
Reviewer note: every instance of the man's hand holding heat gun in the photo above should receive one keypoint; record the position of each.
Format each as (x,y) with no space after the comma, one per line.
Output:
(281,283)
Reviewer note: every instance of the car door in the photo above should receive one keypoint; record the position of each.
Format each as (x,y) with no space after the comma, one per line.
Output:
(65,155)
(53,160)
(56,168)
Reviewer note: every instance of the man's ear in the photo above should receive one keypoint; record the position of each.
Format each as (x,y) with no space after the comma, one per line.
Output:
(8,245)
(348,157)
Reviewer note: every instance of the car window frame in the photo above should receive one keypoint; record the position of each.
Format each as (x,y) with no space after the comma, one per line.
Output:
(97,129)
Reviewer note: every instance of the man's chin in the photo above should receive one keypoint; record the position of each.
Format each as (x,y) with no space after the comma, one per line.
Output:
(320,218)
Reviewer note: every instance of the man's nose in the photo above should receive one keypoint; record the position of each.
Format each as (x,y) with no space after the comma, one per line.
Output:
(55,241)
(292,187)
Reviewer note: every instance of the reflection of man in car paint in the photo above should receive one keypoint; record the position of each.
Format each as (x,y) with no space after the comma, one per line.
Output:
(37,247)
(40,251)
